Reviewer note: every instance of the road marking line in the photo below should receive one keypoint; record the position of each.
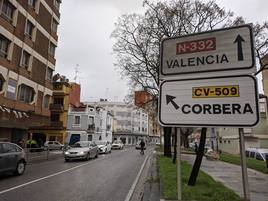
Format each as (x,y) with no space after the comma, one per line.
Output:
(131,191)
(46,177)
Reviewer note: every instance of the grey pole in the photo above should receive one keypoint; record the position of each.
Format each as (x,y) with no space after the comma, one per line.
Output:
(179,186)
(244,165)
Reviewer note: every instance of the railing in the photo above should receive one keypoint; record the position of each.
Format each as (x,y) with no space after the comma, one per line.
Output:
(91,128)
(56,107)
(56,124)
(42,153)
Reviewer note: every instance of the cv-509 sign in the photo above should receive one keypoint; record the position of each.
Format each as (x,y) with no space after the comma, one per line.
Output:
(221,101)
(216,50)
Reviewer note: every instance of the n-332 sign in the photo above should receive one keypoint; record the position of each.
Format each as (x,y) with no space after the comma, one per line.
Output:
(220,101)
(217,50)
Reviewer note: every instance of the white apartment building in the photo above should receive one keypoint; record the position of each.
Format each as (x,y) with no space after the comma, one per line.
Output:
(87,122)
(130,124)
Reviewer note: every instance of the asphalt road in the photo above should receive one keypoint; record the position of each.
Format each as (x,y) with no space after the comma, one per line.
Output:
(108,178)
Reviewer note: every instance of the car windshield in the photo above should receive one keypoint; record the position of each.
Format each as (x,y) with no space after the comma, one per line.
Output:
(117,142)
(264,155)
(81,144)
(100,143)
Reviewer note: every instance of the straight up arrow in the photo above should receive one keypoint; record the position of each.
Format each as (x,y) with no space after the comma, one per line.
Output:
(239,41)
(170,99)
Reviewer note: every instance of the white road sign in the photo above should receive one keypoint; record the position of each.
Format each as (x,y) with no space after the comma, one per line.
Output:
(216,50)
(221,101)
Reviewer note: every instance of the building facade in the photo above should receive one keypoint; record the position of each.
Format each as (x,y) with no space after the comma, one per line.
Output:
(148,103)
(257,137)
(28,39)
(64,94)
(90,123)
(130,123)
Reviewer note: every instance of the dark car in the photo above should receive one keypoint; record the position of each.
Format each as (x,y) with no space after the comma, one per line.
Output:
(12,158)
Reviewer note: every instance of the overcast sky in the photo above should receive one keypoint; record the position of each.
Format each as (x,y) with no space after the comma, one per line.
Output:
(84,39)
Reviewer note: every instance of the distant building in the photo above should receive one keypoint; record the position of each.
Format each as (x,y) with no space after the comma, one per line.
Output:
(130,123)
(64,94)
(89,122)
(147,102)
(257,137)
(28,40)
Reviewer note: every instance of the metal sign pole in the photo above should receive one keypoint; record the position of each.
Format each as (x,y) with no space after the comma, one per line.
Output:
(244,165)
(179,186)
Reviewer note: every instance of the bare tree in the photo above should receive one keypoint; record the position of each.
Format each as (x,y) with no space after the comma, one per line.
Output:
(138,37)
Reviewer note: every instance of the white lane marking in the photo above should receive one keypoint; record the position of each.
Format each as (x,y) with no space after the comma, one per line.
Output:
(131,191)
(49,176)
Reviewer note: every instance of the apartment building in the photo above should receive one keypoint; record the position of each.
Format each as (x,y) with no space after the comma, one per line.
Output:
(65,93)
(28,39)
(89,122)
(148,103)
(130,123)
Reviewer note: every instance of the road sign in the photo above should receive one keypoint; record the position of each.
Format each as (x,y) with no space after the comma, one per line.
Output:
(217,50)
(220,101)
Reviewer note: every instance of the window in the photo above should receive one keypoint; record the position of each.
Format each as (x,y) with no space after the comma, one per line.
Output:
(252,155)
(26,94)
(2,82)
(59,101)
(57,4)
(25,60)
(51,49)
(49,73)
(32,3)
(258,157)
(54,25)
(77,120)
(4,44)
(29,29)
(55,117)
(9,148)
(7,10)
(46,101)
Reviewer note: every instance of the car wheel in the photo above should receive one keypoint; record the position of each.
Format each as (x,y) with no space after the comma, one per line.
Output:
(67,160)
(97,155)
(20,168)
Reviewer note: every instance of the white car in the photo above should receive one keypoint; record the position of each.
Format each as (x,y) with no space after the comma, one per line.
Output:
(104,147)
(51,145)
(117,144)
(257,153)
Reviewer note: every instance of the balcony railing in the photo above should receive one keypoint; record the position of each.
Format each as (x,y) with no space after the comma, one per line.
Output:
(56,107)
(56,124)
(91,128)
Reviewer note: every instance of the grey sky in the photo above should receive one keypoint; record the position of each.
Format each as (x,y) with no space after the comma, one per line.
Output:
(84,39)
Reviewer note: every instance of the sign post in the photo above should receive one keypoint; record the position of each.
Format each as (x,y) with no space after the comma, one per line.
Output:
(179,185)
(244,165)
(207,82)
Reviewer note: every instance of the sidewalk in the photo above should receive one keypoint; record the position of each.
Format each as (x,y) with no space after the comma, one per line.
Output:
(148,188)
(231,176)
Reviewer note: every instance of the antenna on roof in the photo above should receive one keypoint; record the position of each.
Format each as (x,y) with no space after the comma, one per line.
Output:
(76,73)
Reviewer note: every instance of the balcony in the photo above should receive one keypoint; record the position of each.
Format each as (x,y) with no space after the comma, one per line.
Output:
(91,128)
(56,124)
(56,107)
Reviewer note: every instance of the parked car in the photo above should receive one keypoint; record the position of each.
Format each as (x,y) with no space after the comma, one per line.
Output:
(257,153)
(52,145)
(104,147)
(138,145)
(82,150)
(12,158)
(117,144)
